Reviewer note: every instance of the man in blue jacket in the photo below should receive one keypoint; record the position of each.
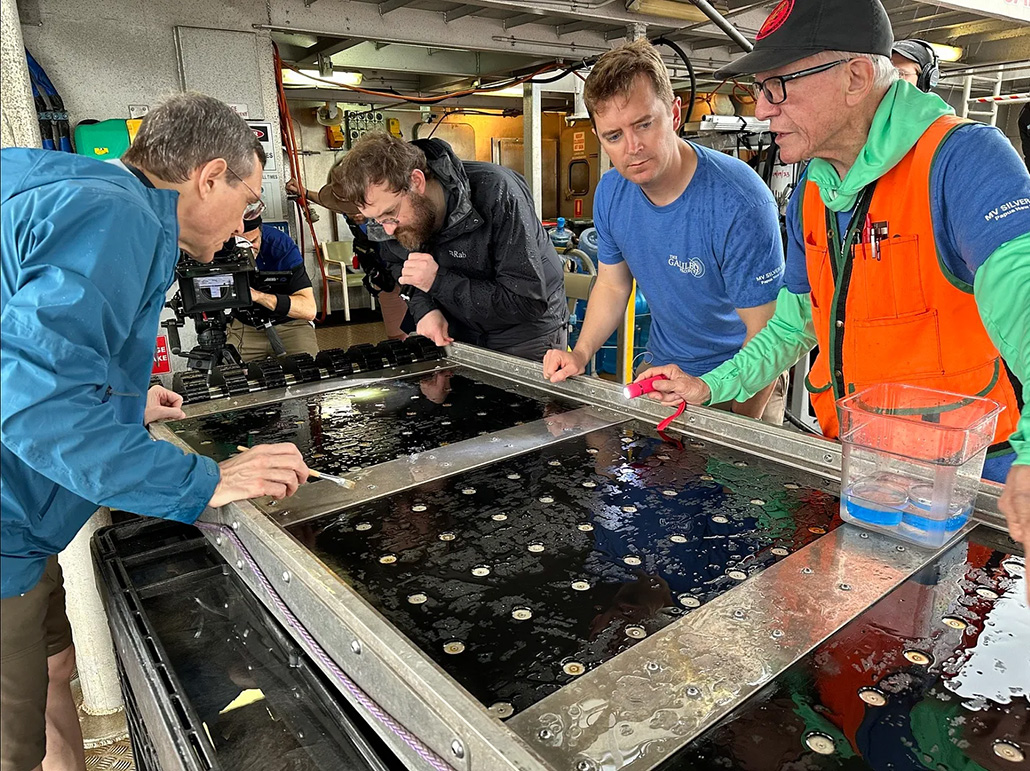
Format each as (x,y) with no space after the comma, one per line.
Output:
(88,252)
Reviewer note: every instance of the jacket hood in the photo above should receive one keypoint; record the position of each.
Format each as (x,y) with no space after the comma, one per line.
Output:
(29,169)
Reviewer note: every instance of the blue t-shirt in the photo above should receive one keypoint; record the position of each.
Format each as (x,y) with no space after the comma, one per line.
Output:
(714,249)
(278,250)
(979,200)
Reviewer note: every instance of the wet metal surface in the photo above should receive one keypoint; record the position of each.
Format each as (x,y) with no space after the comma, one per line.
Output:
(344,431)
(520,577)
(948,696)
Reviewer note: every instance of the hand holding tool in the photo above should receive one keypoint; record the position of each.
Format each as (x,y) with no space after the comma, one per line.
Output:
(347,484)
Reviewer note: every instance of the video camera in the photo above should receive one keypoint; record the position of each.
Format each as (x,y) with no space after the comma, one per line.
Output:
(209,293)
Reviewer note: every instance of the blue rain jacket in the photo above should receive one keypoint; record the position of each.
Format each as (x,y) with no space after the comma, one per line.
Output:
(87,254)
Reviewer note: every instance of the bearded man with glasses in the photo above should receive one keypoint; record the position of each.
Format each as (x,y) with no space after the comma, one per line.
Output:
(908,250)
(463,241)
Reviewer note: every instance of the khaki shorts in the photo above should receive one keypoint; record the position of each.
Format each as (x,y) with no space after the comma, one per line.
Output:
(34,627)
(298,336)
(774,409)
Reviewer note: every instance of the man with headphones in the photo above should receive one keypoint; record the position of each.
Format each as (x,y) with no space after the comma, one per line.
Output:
(917,63)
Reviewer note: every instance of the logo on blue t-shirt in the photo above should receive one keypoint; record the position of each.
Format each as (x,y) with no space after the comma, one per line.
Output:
(692,267)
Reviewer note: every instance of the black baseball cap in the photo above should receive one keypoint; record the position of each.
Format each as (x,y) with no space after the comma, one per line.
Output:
(250,226)
(800,28)
(915,51)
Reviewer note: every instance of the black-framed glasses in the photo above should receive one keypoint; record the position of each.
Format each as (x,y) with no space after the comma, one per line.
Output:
(775,88)
(254,209)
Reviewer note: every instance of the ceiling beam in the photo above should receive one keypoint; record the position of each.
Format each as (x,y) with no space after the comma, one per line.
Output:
(519,19)
(387,6)
(462,10)
(573,26)
(328,47)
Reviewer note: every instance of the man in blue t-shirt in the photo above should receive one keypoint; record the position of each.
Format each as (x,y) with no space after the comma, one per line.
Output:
(697,230)
(284,302)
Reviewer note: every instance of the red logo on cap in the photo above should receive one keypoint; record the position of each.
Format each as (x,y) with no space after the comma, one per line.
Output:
(776,19)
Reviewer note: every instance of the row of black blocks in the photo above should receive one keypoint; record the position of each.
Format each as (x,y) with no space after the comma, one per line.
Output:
(337,362)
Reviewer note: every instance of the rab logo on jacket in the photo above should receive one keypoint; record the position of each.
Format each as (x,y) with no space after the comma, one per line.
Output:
(458,255)
(693,267)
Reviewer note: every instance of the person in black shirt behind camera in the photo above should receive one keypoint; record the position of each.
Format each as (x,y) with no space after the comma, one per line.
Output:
(283,298)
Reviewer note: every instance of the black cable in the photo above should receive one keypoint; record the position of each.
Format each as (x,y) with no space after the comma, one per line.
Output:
(470,111)
(795,421)
(664,41)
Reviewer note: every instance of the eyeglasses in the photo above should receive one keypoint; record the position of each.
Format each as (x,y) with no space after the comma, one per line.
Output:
(390,220)
(775,88)
(254,209)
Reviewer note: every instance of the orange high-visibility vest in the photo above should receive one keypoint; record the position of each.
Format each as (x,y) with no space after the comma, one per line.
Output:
(894,314)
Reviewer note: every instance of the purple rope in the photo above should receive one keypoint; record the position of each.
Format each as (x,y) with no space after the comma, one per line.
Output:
(349,685)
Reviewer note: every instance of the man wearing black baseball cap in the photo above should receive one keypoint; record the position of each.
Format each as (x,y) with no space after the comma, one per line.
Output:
(908,250)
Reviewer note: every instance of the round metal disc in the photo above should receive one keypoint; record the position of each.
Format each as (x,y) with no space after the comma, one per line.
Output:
(636,632)
(631,560)
(480,570)
(447,536)
(630,509)
(419,507)
(954,622)
(417,599)
(586,527)
(499,517)
(573,668)
(874,697)
(987,594)
(454,647)
(918,657)
(737,575)
(501,709)
(820,743)
(388,559)
(363,526)
(779,551)
(677,538)
(1009,751)
(522,614)
(536,548)
(689,601)
(546,499)
(580,586)
(469,491)
(514,476)
(720,519)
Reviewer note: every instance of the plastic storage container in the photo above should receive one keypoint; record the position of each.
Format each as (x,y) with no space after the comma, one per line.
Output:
(913,459)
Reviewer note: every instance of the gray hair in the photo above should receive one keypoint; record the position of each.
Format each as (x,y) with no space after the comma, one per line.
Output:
(884,71)
(186,131)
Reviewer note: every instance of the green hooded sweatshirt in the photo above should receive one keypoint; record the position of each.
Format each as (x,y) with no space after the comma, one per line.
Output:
(1001,285)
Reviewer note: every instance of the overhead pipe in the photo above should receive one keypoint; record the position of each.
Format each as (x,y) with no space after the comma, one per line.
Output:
(719,21)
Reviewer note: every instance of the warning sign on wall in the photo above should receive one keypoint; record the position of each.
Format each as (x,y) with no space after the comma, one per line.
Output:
(161,363)
(579,141)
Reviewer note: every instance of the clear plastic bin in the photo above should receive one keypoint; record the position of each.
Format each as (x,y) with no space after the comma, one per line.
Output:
(913,459)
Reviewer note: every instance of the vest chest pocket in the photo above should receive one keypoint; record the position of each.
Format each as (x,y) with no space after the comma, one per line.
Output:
(894,350)
(887,282)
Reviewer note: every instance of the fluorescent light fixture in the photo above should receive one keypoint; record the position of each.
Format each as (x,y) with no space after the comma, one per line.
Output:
(669,9)
(312,78)
(511,91)
(947,53)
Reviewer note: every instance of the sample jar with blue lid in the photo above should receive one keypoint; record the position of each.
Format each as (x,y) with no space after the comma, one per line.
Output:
(876,501)
(921,504)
